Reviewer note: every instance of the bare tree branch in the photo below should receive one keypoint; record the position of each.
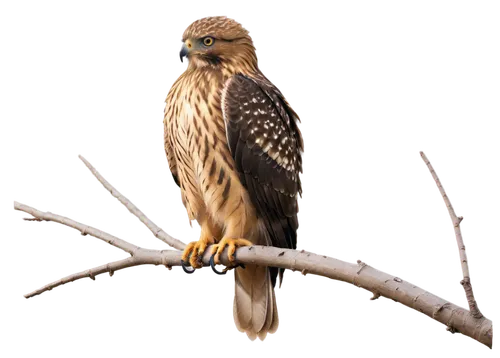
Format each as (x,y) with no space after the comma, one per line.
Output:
(457,319)
(466,283)
(155,229)
(91,273)
(84,229)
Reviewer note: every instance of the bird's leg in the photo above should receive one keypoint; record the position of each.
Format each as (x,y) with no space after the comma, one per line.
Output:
(193,252)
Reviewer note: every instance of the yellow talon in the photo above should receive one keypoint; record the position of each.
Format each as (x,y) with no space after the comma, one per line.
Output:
(231,244)
(194,251)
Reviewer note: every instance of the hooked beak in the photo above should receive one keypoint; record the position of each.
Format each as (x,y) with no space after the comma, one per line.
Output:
(184,51)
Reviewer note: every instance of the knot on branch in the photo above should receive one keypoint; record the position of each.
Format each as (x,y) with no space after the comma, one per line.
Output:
(163,260)
(361,262)
(91,275)
(83,232)
(375,296)
(465,282)
(362,265)
(452,329)
(439,308)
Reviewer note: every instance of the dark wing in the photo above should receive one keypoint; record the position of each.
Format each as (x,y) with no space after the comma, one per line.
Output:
(266,146)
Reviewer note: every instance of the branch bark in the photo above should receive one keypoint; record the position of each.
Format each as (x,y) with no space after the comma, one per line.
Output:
(359,274)
(457,319)
(466,283)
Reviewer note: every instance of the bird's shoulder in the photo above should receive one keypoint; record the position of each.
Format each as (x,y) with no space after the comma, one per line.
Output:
(256,112)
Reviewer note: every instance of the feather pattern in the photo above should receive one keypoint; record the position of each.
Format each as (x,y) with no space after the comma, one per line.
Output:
(266,146)
(234,148)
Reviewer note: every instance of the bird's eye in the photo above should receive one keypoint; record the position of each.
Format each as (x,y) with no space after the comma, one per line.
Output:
(208,41)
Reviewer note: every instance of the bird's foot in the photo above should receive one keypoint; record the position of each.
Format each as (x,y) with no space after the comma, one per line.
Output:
(193,253)
(232,245)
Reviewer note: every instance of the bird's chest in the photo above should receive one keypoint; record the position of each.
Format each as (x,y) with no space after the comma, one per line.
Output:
(194,126)
(195,132)
(196,113)
(185,125)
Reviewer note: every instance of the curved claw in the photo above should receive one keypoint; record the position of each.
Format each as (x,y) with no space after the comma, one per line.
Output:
(218,272)
(238,264)
(185,267)
(212,265)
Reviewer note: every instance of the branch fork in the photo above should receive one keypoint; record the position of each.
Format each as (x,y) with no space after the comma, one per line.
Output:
(457,319)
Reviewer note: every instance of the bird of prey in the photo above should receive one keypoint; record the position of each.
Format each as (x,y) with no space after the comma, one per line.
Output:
(234,149)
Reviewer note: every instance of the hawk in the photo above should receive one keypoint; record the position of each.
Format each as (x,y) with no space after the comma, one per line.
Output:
(234,149)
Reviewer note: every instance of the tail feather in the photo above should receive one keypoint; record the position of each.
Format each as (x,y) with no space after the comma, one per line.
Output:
(254,309)
(272,321)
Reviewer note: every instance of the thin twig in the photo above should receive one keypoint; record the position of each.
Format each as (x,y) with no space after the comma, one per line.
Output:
(466,283)
(91,273)
(84,229)
(155,229)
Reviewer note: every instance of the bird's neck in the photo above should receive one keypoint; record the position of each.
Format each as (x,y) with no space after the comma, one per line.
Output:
(242,60)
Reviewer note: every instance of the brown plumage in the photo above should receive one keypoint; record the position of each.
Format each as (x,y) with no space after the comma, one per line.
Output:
(234,148)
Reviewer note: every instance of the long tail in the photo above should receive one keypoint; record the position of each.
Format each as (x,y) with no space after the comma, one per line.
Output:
(255,311)
(254,308)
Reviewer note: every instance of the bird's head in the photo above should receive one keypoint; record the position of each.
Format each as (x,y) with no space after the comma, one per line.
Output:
(218,42)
